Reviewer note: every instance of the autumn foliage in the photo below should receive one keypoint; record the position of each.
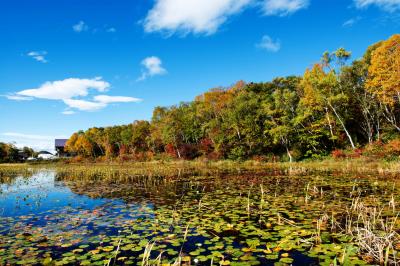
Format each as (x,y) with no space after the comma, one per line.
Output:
(338,108)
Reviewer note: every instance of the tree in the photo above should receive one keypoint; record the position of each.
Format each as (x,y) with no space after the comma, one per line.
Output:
(384,78)
(8,153)
(364,105)
(323,93)
(384,71)
(140,138)
(281,113)
(333,105)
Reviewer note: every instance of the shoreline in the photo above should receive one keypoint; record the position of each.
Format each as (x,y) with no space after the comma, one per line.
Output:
(352,165)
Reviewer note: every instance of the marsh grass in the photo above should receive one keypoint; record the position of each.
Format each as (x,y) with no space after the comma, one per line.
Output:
(374,231)
(250,199)
(182,168)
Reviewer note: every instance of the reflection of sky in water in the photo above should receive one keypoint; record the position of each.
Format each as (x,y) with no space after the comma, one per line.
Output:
(40,193)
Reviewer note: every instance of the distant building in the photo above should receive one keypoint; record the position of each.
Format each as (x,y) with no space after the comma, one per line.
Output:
(45,155)
(59,145)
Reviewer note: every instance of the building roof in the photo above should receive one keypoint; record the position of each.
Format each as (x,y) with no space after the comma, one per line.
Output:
(60,142)
(44,152)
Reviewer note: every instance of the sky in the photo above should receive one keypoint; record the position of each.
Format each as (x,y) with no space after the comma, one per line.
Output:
(67,65)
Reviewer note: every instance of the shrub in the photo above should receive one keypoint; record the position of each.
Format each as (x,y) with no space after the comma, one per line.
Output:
(206,146)
(392,148)
(170,150)
(338,154)
(214,156)
(374,149)
(77,159)
(357,153)
(260,158)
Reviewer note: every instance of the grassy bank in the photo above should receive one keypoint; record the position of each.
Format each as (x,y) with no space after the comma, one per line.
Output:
(181,167)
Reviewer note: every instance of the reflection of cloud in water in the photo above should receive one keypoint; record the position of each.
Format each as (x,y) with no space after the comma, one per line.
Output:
(39,193)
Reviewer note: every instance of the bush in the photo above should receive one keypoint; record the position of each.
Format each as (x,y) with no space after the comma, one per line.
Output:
(374,149)
(357,153)
(338,154)
(77,159)
(392,148)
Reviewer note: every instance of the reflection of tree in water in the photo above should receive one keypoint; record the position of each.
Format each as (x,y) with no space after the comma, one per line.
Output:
(9,179)
(155,189)
(171,189)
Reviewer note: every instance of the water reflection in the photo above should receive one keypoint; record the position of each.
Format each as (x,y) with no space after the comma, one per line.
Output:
(40,193)
(246,217)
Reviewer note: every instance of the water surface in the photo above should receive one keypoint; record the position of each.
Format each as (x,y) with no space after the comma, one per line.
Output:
(233,218)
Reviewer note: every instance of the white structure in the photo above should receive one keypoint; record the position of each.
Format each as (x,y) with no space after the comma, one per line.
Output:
(45,155)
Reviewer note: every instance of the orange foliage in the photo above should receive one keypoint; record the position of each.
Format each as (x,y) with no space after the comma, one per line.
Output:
(384,71)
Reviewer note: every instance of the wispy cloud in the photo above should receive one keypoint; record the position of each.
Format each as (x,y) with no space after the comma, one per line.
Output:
(267,43)
(27,136)
(99,102)
(84,105)
(284,7)
(111,30)
(37,142)
(386,5)
(38,56)
(350,23)
(65,89)
(68,112)
(207,16)
(72,92)
(18,98)
(152,66)
(80,27)
(107,99)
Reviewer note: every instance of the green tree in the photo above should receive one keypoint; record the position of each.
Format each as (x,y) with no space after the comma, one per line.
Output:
(281,113)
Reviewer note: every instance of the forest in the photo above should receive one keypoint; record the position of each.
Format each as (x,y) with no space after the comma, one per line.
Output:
(338,107)
(9,153)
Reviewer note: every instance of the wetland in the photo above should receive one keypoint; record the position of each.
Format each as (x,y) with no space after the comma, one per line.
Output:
(180,215)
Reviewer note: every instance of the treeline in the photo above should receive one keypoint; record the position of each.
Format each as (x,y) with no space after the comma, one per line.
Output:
(9,153)
(335,105)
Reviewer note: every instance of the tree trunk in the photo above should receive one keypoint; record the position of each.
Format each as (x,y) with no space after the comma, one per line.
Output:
(285,142)
(344,127)
(391,118)
(289,154)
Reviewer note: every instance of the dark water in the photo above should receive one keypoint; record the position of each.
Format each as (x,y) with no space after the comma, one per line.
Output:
(232,219)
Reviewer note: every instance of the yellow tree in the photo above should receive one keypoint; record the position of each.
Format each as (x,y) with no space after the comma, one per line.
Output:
(322,94)
(384,71)
(70,144)
(384,77)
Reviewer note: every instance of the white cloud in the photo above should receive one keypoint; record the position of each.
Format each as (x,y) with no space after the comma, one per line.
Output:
(387,5)
(349,23)
(269,44)
(65,89)
(71,91)
(197,16)
(115,99)
(152,67)
(112,30)
(19,98)
(283,7)
(27,136)
(38,56)
(68,112)
(98,102)
(37,142)
(84,105)
(80,26)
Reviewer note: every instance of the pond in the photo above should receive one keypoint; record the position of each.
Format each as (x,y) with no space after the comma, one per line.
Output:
(220,218)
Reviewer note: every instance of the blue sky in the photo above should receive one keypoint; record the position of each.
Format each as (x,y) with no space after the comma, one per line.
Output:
(72,64)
